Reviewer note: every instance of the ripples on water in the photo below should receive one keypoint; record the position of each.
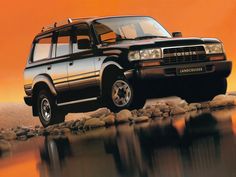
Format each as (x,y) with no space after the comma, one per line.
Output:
(192,145)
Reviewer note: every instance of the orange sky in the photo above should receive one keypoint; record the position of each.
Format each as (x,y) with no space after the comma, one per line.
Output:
(22,19)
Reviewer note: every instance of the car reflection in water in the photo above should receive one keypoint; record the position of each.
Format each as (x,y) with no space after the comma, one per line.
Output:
(196,144)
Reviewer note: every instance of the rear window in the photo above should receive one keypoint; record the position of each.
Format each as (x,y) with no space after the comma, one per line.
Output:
(42,48)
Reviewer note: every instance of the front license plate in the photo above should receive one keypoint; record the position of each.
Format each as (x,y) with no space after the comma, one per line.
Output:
(190,70)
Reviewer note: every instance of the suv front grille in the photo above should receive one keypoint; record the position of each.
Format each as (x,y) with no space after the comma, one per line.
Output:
(184,55)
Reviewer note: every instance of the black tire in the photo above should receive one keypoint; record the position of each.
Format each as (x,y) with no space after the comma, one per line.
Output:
(48,111)
(136,101)
(205,89)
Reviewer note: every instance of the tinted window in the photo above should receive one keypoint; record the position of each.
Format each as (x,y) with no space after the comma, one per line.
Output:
(42,48)
(80,32)
(61,46)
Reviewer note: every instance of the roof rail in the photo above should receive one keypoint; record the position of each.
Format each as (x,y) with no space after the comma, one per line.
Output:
(56,24)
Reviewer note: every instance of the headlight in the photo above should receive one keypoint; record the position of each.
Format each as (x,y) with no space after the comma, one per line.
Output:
(213,48)
(144,54)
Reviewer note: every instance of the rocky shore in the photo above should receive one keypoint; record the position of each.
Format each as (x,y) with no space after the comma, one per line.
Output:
(104,117)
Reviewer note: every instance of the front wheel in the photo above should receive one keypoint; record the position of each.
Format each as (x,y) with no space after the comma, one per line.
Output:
(120,94)
(48,111)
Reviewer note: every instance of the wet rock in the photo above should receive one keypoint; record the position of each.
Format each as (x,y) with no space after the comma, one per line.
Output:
(205,105)
(9,135)
(123,116)
(163,107)
(93,123)
(30,134)
(222,101)
(177,110)
(144,112)
(109,120)
(192,108)
(156,113)
(4,145)
(65,130)
(21,132)
(101,112)
(37,126)
(196,105)
(140,119)
(166,114)
(134,112)
(22,138)
(177,102)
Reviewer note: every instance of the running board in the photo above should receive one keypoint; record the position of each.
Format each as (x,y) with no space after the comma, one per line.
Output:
(77,101)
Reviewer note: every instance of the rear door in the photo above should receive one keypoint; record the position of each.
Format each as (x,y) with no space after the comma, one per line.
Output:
(58,67)
(82,77)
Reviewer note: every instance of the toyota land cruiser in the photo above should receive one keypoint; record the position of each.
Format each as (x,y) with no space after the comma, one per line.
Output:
(118,62)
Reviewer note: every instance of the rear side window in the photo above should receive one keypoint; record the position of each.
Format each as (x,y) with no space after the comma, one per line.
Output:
(42,48)
(61,46)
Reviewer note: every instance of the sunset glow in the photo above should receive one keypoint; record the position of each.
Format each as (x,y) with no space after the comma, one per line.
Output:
(22,20)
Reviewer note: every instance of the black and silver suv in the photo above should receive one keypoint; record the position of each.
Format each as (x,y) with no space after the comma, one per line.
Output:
(118,62)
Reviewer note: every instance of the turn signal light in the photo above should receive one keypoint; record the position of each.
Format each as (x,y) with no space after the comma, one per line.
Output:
(152,63)
(214,58)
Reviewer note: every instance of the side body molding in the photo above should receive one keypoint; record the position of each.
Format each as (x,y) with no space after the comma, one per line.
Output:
(43,78)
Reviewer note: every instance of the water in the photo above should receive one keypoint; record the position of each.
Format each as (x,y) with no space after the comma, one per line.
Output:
(201,144)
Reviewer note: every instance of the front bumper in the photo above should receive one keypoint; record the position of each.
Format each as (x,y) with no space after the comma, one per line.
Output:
(212,68)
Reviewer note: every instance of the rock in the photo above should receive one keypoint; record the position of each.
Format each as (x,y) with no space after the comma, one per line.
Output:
(222,101)
(144,112)
(21,132)
(196,105)
(123,116)
(4,145)
(101,112)
(156,113)
(37,126)
(166,114)
(65,130)
(9,135)
(192,108)
(177,110)
(30,134)
(134,112)
(177,102)
(93,123)
(205,105)
(109,120)
(163,107)
(22,138)
(140,119)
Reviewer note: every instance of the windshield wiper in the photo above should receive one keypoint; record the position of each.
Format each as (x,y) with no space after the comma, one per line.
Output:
(147,37)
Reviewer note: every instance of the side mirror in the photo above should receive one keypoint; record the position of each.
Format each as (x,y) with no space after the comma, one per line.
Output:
(84,44)
(177,34)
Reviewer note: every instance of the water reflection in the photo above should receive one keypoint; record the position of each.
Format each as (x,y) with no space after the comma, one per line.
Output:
(195,144)
(190,145)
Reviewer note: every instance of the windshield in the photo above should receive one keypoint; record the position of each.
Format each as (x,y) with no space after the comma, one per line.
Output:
(116,29)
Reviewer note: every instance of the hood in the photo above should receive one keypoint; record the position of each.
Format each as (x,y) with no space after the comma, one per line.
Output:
(161,42)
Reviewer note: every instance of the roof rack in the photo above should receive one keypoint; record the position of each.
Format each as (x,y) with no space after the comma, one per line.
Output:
(56,24)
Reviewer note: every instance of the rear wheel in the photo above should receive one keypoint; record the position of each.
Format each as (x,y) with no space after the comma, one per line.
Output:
(204,90)
(48,111)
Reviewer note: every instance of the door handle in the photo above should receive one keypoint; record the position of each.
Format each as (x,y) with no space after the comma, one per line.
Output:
(49,67)
(71,63)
